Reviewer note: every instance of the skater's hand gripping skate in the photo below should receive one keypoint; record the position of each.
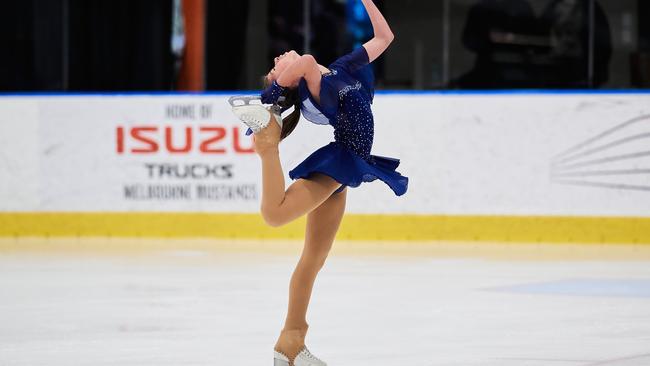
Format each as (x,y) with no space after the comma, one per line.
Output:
(272,94)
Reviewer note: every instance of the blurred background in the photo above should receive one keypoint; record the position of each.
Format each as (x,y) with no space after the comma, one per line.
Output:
(108,45)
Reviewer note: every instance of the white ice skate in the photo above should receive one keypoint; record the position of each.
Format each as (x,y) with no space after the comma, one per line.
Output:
(251,111)
(304,358)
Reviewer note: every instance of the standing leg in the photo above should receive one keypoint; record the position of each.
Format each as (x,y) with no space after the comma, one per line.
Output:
(322,225)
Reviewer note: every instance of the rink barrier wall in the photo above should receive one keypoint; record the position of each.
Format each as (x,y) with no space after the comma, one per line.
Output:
(489,192)
(522,229)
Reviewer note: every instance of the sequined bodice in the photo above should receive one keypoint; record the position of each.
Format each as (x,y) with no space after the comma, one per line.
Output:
(354,126)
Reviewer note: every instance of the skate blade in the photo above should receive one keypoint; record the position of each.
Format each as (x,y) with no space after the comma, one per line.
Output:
(243,100)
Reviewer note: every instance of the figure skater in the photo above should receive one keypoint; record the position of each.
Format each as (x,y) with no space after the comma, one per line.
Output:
(339,95)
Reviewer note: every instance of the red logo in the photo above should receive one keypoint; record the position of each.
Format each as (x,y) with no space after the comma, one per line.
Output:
(149,139)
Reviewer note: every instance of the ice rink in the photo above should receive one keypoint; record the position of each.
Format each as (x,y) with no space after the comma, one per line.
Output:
(138,302)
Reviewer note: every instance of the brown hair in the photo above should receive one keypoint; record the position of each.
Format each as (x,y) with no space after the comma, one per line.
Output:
(292,98)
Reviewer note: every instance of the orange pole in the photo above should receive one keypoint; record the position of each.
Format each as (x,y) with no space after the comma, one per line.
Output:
(192,70)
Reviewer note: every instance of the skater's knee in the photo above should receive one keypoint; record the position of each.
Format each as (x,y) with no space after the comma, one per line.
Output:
(273,222)
(273,217)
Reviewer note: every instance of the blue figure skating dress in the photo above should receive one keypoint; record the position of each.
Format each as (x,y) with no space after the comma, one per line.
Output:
(345,97)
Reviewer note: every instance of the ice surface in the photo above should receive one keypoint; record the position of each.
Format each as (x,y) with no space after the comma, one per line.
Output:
(203,307)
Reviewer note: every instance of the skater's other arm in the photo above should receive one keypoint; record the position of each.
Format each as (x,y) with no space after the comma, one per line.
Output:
(383,35)
(305,67)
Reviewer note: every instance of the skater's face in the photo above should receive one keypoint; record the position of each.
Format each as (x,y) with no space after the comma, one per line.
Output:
(281,63)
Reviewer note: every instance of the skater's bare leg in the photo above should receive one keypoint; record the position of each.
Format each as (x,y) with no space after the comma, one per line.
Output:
(322,225)
(279,207)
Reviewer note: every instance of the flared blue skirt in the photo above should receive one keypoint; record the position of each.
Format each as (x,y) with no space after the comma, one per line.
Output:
(350,169)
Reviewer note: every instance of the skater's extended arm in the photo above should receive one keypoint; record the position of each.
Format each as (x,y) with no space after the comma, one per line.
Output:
(383,35)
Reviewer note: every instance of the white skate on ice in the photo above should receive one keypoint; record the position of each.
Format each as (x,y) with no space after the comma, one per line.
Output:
(304,358)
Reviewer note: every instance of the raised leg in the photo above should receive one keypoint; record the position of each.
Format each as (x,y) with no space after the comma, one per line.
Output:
(322,225)
(278,206)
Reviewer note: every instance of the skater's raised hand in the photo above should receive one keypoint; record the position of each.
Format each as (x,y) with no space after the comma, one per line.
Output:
(383,35)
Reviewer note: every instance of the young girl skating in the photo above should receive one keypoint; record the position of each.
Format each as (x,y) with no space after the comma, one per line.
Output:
(340,96)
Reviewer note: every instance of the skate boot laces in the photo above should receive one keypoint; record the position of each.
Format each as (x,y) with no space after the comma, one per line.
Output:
(306,358)
(303,358)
